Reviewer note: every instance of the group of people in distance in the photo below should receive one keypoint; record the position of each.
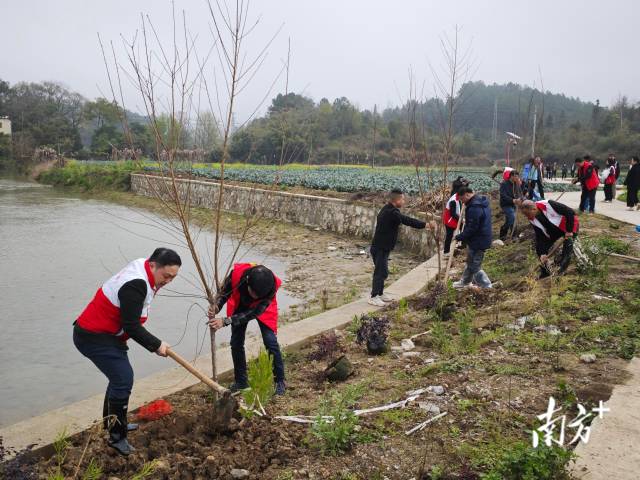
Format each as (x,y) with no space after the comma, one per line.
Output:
(586,172)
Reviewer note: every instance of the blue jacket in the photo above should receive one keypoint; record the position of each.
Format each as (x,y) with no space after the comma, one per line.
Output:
(477,224)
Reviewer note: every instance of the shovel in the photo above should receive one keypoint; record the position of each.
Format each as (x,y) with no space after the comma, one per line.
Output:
(226,405)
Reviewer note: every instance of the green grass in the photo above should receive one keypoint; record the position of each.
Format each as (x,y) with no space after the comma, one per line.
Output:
(90,177)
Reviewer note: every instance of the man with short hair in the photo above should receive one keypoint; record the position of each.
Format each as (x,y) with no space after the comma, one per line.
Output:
(477,236)
(587,175)
(509,192)
(384,241)
(249,292)
(117,312)
(551,221)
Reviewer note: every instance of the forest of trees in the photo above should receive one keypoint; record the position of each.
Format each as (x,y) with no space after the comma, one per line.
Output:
(297,129)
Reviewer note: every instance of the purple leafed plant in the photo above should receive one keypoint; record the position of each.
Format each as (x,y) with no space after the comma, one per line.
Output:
(326,346)
(373,332)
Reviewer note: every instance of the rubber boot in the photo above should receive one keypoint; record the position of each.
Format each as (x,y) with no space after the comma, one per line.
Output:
(118,428)
(105,416)
(281,387)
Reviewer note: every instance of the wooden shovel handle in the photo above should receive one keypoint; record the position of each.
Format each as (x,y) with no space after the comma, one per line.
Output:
(215,386)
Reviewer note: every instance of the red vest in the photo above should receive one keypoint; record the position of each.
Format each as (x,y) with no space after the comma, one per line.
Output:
(449,220)
(593,181)
(102,315)
(554,217)
(270,316)
(611,178)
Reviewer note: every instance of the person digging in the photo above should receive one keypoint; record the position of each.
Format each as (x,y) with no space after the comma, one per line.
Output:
(551,221)
(384,241)
(477,236)
(117,312)
(249,292)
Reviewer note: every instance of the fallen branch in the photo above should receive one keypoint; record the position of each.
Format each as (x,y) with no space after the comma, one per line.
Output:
(421,426)
(418,335)
(626,257)
(390,406)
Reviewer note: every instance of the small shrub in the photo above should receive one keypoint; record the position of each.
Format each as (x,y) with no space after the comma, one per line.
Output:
(523,462)
(373,332)
(146,470)
(261,388)
(442,340)
(613,245)
(337,434)
(93,471)
(326,346)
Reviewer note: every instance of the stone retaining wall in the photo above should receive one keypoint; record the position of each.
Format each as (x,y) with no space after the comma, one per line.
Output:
(333,214)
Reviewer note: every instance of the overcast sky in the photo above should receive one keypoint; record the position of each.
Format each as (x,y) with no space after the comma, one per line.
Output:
(360,49)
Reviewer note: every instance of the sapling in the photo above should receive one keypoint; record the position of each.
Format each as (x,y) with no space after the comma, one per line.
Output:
(374,332)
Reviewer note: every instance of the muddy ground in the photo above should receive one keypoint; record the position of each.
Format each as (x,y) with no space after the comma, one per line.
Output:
(496,377)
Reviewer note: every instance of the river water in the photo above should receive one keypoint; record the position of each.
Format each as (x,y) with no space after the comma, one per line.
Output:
(56,250)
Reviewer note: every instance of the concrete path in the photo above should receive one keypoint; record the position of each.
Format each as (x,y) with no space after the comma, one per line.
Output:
(42,430)
(616,209)
(612,452)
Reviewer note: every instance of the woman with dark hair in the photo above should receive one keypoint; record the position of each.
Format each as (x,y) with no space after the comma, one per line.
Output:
(633,184)
(451,214)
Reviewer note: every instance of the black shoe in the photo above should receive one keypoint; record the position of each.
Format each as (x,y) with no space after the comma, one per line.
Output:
(236,387)
(281,387)
(120,445)
(118,426)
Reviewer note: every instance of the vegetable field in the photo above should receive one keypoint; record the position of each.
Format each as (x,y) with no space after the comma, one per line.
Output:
(347,179)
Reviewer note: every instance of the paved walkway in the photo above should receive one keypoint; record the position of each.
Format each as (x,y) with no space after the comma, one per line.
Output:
(42,430)
(612,452)
(616,209)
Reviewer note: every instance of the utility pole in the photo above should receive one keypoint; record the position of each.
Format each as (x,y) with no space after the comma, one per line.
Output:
(373,144)
(494,135)
(533,138)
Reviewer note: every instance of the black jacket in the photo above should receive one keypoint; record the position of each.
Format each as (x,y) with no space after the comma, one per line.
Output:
(554,232)
(509,191)
(388,224)
(633,177)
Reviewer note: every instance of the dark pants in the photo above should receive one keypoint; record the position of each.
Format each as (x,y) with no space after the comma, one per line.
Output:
(448,237)
(588,200)
(270,341)
(381,271)
(473,269)
(565,256)
(509,221)
(632,196)
(608,191)
(113,362)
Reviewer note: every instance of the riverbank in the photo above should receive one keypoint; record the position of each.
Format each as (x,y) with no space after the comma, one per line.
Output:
(324,270)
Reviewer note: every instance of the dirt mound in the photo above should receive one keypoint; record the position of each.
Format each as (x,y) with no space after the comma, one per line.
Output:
(185,448)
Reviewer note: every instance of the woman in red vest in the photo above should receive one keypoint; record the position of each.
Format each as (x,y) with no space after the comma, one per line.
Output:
(250,292)
(117,312)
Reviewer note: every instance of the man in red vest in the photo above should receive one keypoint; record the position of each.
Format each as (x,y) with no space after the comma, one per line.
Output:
(117,312)
(588,178)
(551,221)
(250,292)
